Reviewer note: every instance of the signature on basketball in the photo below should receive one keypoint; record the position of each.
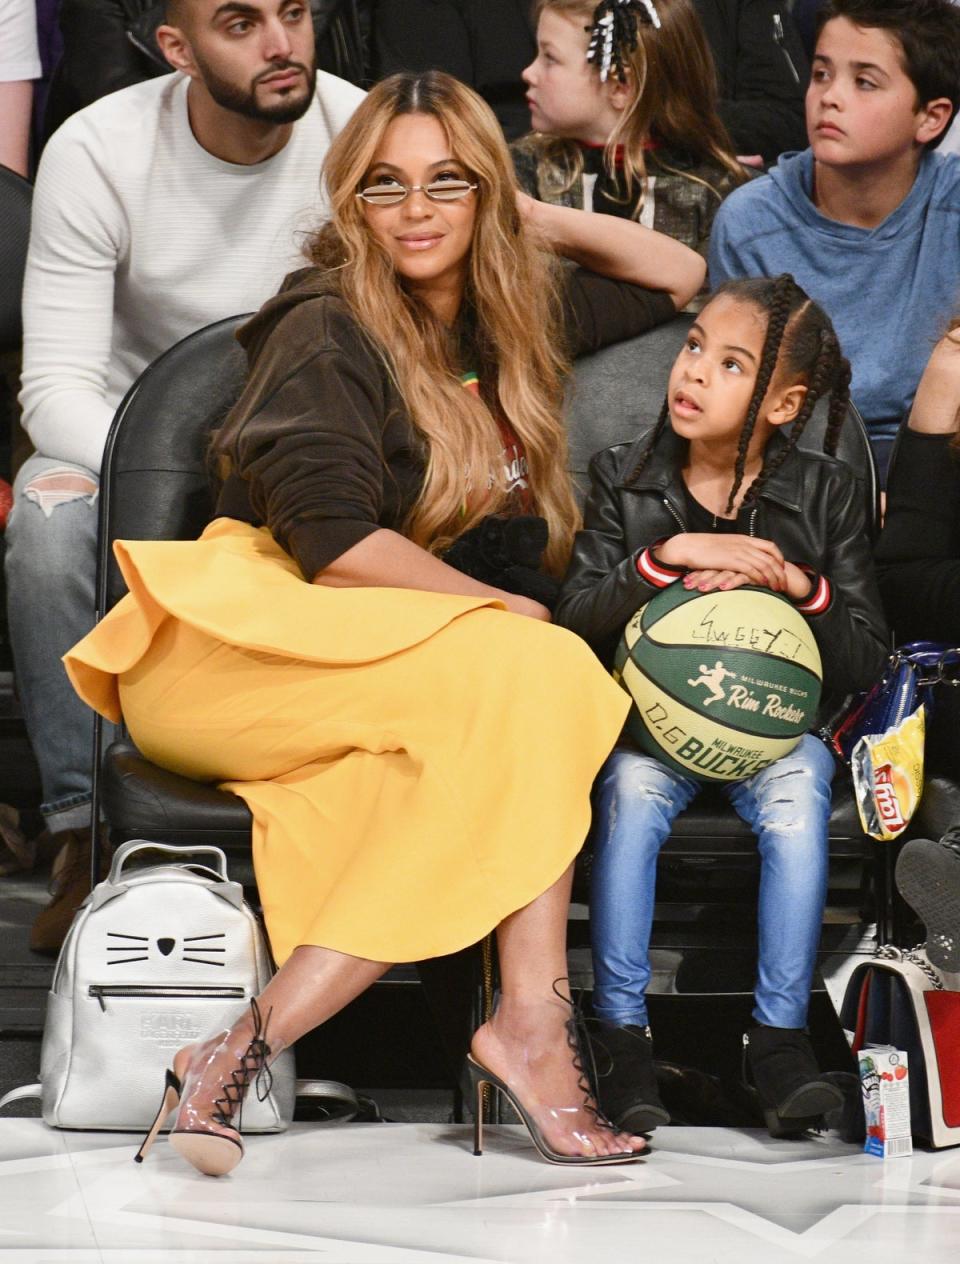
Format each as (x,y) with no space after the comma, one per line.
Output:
(779,641)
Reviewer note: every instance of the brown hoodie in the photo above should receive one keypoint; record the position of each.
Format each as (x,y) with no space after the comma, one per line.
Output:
(320,447)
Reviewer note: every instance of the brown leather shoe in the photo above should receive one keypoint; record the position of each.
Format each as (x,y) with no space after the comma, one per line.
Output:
(70,888)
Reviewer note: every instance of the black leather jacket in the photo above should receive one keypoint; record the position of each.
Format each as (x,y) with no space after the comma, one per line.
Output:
(763,71)
(812,508)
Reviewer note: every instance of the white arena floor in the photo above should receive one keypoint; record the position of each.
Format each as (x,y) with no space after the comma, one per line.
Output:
(399,1193)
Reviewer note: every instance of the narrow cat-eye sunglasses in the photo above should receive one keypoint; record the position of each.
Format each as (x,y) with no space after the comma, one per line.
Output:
(437,191)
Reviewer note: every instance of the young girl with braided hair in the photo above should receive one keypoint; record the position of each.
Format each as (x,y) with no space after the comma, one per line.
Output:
(623,105)
(717,495)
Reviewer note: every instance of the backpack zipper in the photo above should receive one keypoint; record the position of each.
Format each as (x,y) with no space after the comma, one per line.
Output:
(169,991)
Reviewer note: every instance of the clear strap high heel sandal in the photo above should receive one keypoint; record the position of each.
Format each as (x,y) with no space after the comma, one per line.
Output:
(200,1141)
(480,1077)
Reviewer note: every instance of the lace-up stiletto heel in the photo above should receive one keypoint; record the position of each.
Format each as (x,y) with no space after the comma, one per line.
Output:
(480,1076)
(212,1152)
(170,1101)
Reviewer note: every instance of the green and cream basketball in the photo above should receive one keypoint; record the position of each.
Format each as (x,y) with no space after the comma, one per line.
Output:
(723,683)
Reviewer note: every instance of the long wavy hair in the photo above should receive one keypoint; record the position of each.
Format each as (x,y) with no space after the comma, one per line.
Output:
(674,100)
(513,303)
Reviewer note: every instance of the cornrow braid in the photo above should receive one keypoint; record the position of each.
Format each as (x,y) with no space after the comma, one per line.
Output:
(823,375)
(651,444)
(839,400)
(800,334)
(779,306)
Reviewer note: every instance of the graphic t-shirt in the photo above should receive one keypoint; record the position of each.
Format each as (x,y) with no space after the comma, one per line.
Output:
(513,476)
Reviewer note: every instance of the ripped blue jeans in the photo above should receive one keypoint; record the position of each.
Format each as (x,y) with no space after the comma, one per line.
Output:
(51,566)
(788,806)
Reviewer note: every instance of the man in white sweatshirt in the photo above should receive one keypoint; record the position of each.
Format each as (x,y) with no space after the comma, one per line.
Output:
(158,209)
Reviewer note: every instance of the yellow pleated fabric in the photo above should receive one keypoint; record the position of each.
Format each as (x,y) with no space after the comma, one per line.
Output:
(418,765)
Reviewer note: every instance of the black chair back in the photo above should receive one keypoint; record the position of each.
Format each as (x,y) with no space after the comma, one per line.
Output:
(617,393)
(154,483)
(16,196)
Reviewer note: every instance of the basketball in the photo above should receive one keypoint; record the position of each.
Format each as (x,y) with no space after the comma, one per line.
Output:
(723,683)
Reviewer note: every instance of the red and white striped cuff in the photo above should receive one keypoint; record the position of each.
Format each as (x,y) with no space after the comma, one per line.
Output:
(818,599)
(655,572)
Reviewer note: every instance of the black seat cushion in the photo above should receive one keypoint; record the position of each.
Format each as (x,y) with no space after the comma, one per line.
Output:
(141,800)
(710,827)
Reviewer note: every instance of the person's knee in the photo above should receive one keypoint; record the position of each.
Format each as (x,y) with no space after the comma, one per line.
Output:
(51,534)
(637,801)
(793,815)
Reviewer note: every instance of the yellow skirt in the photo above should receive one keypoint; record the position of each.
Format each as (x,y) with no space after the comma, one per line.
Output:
(418,765)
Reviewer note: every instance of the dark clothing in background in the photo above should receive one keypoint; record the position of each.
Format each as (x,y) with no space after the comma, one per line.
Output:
(918,555)
(763,72)
(918,566)
(110,44)
(486,43)
(805,20)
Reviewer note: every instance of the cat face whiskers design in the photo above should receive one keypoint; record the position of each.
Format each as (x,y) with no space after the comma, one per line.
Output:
(193,944)
(138,944)
(198,949)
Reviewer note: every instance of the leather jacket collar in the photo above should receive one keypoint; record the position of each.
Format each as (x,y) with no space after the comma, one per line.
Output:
(661,473)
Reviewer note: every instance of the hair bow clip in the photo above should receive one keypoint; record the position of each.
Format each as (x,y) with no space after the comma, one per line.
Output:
(613,34)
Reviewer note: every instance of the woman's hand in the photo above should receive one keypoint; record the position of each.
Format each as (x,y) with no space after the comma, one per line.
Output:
(759,561)
(525,606)
(936,407)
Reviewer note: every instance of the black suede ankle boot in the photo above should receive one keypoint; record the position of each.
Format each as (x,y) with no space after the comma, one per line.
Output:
(626,1078)
(780,1064)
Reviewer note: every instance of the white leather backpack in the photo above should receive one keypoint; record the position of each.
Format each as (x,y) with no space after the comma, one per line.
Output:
(156,959)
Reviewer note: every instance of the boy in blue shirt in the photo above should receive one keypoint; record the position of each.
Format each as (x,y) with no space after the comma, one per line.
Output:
(868,218)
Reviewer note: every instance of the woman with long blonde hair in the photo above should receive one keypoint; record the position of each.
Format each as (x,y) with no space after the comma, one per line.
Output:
(416,755)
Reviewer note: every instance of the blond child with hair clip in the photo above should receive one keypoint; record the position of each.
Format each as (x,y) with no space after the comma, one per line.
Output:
(623,106)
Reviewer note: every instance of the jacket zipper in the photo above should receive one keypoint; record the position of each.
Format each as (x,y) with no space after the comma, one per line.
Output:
(170,991)
(680,521)
(751,529)
(778,40)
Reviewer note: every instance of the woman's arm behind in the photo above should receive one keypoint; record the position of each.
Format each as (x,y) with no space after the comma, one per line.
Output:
(618,248)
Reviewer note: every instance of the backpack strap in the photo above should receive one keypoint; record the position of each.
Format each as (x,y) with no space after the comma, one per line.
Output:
(123,854)
(18,1094)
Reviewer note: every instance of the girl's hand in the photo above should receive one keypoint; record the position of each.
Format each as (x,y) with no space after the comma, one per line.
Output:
(715,581)
(525,606)
(797,585)
(759,560)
